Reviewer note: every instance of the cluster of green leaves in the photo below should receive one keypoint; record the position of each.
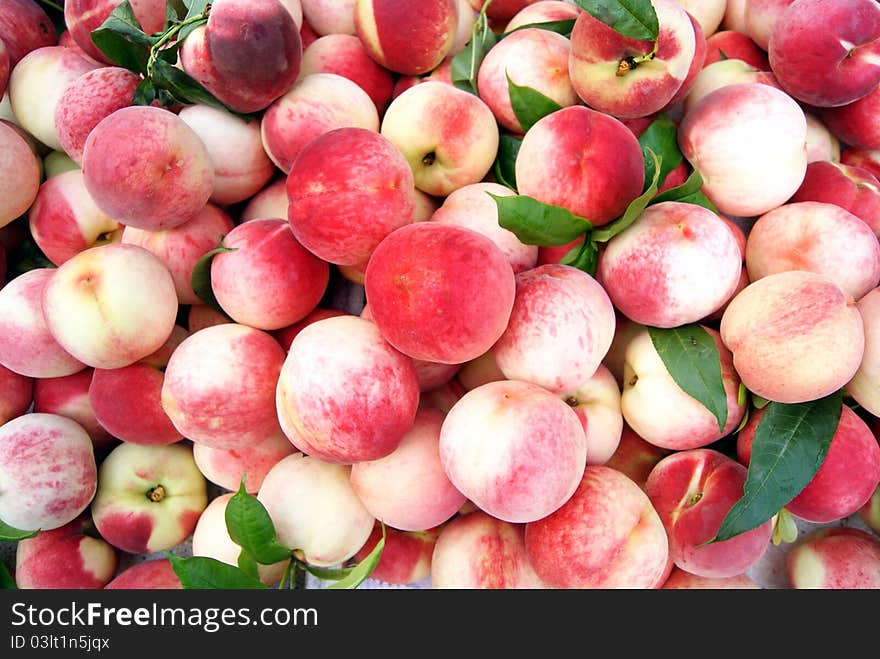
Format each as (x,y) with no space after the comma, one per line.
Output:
(251,528)
(122,39)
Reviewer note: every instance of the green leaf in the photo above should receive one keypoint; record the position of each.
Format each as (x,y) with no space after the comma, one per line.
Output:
(183,87)
(466,64)
(529,105)
(636,19)
(11,534)
(790,444)
(204,573)
(605,233)
(759,402)
(681,192)
(195,8)
(722,55)
(251,528)
(661,138)
(699,199)
(327,573)
(247,564)
(504,166)
(741,394)
(743,421)
(145,93)
(201,279)
(121,38)
(583,257)
(363,569)
(6,580)
(691,357)
(563,27)
(535,223)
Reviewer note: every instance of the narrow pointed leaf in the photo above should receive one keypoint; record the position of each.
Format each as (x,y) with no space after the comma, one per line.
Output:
(201,279)
(605,233)
(362,570)
(12,534)
(251,528)
(563,27)
(683,192)
(121,38)
(327,573)
(466,64)
(691,357)
(247,564)
(203,573)
(661,137)
(583,257)
(636,19)
(529,105)
(535,223)
(790,444)
(504,167)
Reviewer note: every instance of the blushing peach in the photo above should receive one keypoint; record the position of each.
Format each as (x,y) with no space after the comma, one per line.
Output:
(329,16)
(406,555)
(151,574)
(636,457)
(16,394)
(855,124)
(219,386)
(607,535)
(722,73)
(822,144)
(777,326)
(201,316)
(692,491)
(514,449)
(83,16)
(597,404)
(731,44)
(48,469)
(853,188)
(25,26)
(227,467)
(681,580)
(865,158)
(323,400)
(69,396)
(20,175)
(408,489)
(268,280)
(408,286)
(271,201)
(286,335)
(559,330)
(864,386)
(146,168)
(839,558)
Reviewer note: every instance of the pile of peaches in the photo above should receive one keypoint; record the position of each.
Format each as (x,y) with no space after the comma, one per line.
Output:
(537,294)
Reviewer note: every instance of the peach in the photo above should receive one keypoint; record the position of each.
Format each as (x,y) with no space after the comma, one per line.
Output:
(777,326)
(530,57)
(760,18)
(865,158)
(20,174)
(324,402)
(271,201)
(674,106)
(348,189)
(329,16)
(145,167)
(48,469)
(126,401)
(448,136)
(864,386)
(818,237)
(241,165)
(268,280)
(36,85)
(559,330)
(247,55)
(835,558)
(853,188)
(635,457)
(845,481)
(822,144)
(597,404)
(315,510)
(478,551)
(16,394)
(722,73)
(227,467)
(443,397)
(583,160)
(345,55)
(471,206)
(151,574)
(57,162)
(27,346)
(513,448)
(201,316)
(418,311)
(675,265)
(406,555)
(316,104)
(210,538)
(181,247)
(25,26)
(840,64)
(122,298)
(692,491)
(64,219)
(479,370)
(627,77)
(84,16)
(748,141)
(734,15)
(607,535)
(467,16)
(88,99)
(286,335)
(408,488)
(69,396)
(681,580)
(409,40)
(624,330)
(219,386)
(656,408)
(731,44)
(65,558)
(870,512)
(707,14)
(149,498)
(855,123)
